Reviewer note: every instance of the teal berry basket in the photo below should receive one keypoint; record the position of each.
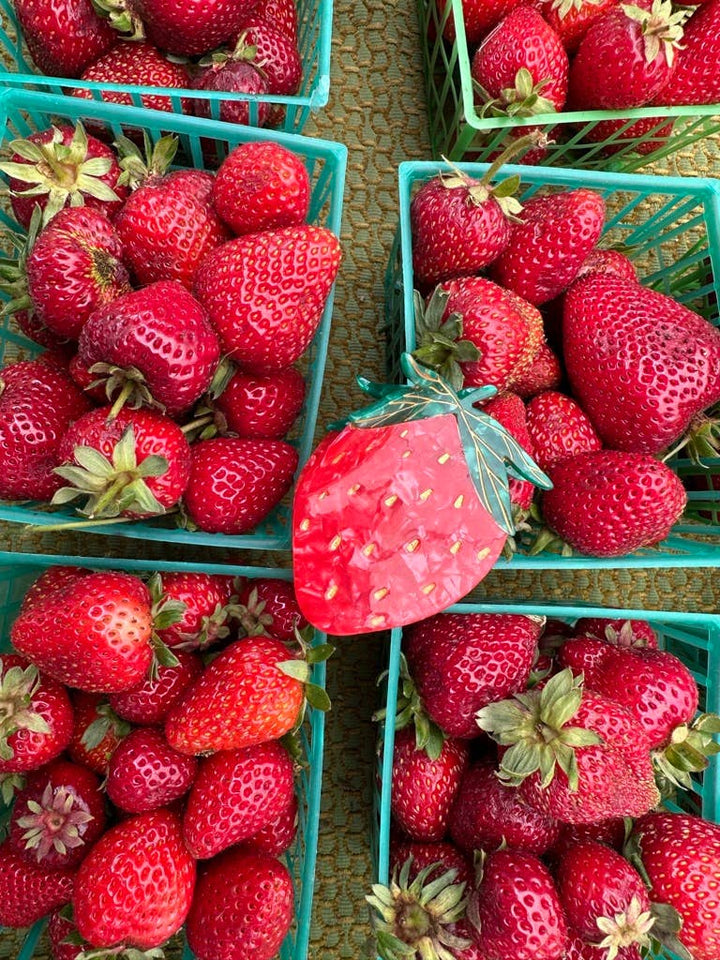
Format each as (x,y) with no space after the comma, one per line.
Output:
(314,41)
(670,227)
(23,112)
(458,131)
(693,637)
(17,573)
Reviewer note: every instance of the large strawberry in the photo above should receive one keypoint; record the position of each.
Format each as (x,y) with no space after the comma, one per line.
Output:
(696,78)
(193,27)
(276,54)
(236,72)
(51,579)
(28,890)
(479,17)
(63,37)
(146,773)
(135,63)
(559,429)
(260,406)
(642,365)
(135,887)
(265,293)
(572,19)
(205,600)
(395,516)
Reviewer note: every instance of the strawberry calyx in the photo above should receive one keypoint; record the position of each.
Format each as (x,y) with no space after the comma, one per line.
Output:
(140,167)
(61,171)
(413,919)
(688,751)
(662,30)
(441,344)
(428,735)
(631,926)
(53,822)
(112,487)
(13,268)
(106,722)
(563,7)
(300,669)
(18,686)
(524,99)
(701,440)
(10,783)
(121,952)
(252,618)
(242,51)
(124,386)
(534,726)
(667,921)
(122,18)
(208,421)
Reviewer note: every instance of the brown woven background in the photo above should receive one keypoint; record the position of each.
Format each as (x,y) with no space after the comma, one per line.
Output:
(377,109)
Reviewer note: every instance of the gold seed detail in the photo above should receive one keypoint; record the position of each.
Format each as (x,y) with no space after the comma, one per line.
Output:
(412,545)
(381,593)
(483,553)
(325,493)
(389,501)
(353,489)
(335,542)
(426,493)
(428,588)
(443,458)
(305,524)
(331,591)
(406,454)
(458,502)
(368,549)
(456,546)
(377,621)
(404,433)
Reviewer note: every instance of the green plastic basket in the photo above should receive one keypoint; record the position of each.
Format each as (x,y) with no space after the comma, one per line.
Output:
(314,40)
(694,638)
(22,112)
(457,131)
(670,227)
(18,571)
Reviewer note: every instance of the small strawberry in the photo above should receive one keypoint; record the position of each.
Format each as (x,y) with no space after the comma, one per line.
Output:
(261,407)
(234,484)
(276,54)
(548,247)
(97,731)
(602,260)
(509,410)
(28,890)
(269,605)
(57,816)
(63,937)
(36,718)
(261,185)
(135,887)
(250,286)
(235,794)
(192,29)
(149,702)
(146,773)
(696,78)
(637,634)
(609,832)
(579,949)
(236,72)
(277,836)
(64,38)
(441,856)
(544,373)
(479,17)
(559,429)
(571,19)
(243,908)
(283,14)
(205,598)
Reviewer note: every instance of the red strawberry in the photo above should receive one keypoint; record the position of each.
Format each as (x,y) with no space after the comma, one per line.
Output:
(34,329)
(93,634)
(149,702)
(600,260)
(243,908)
(642,365)
(444,855)
(579,949)
(277,836)
(38,403)
(572,19)
(160,331)
(36,721)
(261,407)
(461,662)
(57,816)
(146,773)
(242,698)
(606,503)
(205,598)
(487,814)
(235,794)
(548,247)
(610,832)
(50,580)
(168,224)
(559,429)
(479,17)
(423,788)
(234,484)
(680,854)
(65,37)
(261,185)
(626,57)
(146,468)
(192,28)
(62,935)
(28,891)
(544,373)
(235,72)
(275,53)
(74,267)
(96,733)
(283,14)
(269,605)
(604,897)
(136,885)
(135,63)
(74,169)
(622,633)
(644,136)
(252,285)
(509,410)
(696,78)
(518,909)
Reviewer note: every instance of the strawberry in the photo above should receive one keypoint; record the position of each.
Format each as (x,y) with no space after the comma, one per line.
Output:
(65,37)
(275,53)
(261,407)
(135,887)
(235,794)
(234,484)
(609,832)
(544,373)
(152,345)
(559,429)
(277,836)
(93,634)
(146,773)
(136,464)
(261,185)
(665,356)
(518,911)
(234,71)
(34,329)
(269,605)
(68,168)
(626,57)
(243,908)
(192,28)
(283,14)
(644,136)
(479,17)
(250,286)
(606,503)
(571,19)
(604,897)
(696,78)
(28,890)
(168,223)
(75,267)
(509,410)
(63,937)
(549,245)
(149,702)
(97,731)
(637,634)
(462,662)
(596,769)
(487,814)
(246,695)
(611,261)
(37,718)
(204,598)
(415,518)
(38,402)
(522,41)
(57,816)
(441,856)
(423,788)
(134,63)
(680,856)
(51,579)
